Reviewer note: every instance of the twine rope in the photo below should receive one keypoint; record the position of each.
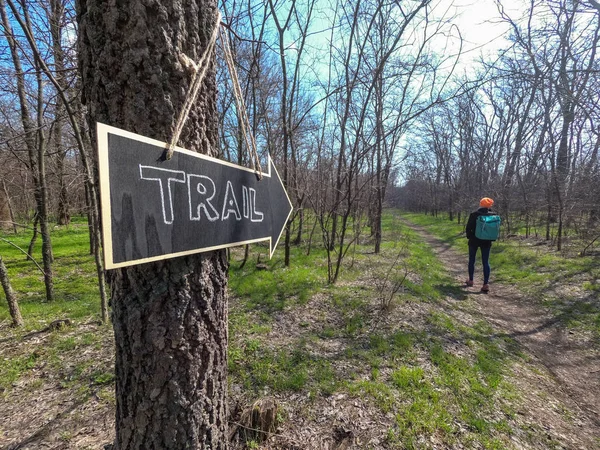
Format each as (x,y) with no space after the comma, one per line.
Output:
(199,74)
(248,136)
(199,71)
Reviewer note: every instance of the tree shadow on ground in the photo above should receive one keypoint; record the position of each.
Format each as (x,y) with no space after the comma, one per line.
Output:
(579,311)
(42,434)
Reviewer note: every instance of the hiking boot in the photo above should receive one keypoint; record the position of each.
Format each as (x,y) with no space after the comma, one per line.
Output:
(469,283)
(485,288)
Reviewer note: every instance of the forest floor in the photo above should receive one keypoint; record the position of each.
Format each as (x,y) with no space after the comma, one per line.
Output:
(554,399)
(465,371)
(568,361)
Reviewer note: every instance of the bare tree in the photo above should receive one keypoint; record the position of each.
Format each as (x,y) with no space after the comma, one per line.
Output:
(375,69)
(35,136)
(56,19)
(564,53)
(22,17)
(290,93)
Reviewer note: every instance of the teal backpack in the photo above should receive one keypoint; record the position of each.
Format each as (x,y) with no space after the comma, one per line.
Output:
(487,228)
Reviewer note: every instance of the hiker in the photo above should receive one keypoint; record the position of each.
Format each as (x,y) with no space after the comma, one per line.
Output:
(482,229)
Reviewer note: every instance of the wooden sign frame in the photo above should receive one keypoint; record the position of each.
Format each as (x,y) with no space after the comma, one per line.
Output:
(153,209)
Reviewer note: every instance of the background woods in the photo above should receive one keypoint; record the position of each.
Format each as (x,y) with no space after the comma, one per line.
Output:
(528,137)
(352,101)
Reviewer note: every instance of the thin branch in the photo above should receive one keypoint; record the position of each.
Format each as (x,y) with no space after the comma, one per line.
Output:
(238,37)
(16,224)
(25,253)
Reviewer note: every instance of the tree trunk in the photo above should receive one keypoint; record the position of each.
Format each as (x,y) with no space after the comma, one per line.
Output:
(34,236)
(42,189)
(310,236)
(11,298)
(63,216)
(56,20)
(246,255)
(379,144)
(284,119)
(171,340)
(549,211)
(298,239)
(169,317)
(90,218)
(29,127)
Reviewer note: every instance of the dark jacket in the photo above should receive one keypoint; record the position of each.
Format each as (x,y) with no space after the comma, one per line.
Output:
(470,228)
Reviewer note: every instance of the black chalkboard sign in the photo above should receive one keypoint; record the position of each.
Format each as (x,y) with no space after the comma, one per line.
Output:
(155,209)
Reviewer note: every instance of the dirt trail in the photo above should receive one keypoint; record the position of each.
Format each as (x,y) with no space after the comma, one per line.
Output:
(570,359)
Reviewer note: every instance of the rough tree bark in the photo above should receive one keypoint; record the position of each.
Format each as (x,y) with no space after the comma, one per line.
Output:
(170,317)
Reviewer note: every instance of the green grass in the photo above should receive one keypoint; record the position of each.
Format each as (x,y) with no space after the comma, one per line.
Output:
(431,281)
(258,366)
(69,353)
(11,369)
(71,356)
(457,386)
(74,270)
(407,378)
(278,286)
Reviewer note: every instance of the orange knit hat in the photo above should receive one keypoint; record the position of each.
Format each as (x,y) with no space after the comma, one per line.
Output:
(486,202)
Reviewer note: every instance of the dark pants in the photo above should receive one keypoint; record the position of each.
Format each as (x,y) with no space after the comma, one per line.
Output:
(485,260)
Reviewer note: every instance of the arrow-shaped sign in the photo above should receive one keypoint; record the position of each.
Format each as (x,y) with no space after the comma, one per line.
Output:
(155,209)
